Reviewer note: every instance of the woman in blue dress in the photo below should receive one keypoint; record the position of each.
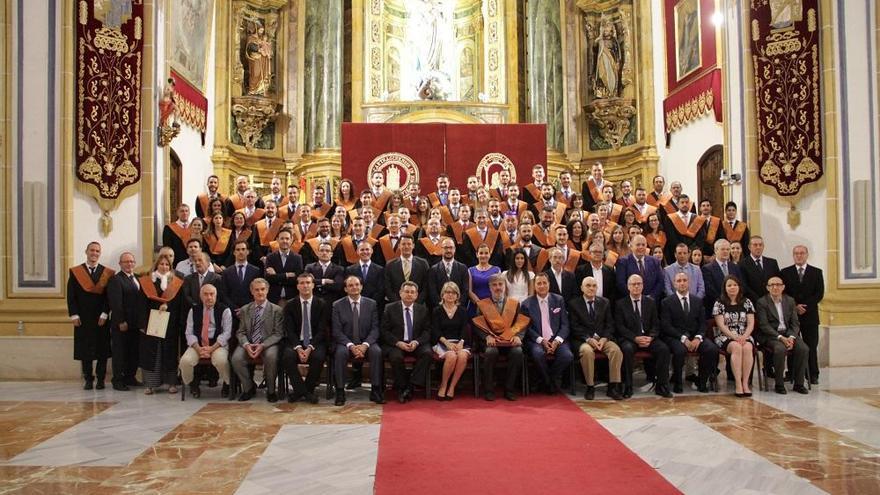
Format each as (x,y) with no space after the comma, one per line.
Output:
(479,286)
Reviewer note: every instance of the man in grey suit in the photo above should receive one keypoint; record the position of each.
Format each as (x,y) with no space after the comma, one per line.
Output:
(261,328)
(356,338)
(779,331)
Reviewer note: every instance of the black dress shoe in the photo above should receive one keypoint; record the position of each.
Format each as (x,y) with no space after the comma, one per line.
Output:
(100,385)
(614,391)
(291,398)
(312,398)
(814,381)
(353,385)
(246,396)
(340,398)
(781,390)
(590,393)
(195,390)
(663,391)
(272,397)
(121,387)
(509,395)
(678,388)
(801,389)
(224,390)
(377,397)
(703,388)
(627,391)
(212,383)
(692,378)
(489,395)
(88,385)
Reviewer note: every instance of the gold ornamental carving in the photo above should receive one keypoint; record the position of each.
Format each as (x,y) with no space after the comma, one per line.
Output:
(252,115)
(612,117)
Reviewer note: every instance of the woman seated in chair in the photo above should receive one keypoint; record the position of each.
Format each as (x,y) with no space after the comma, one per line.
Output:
(450,333)
(735,320)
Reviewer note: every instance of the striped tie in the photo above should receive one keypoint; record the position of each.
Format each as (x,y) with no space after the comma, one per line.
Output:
(256,335)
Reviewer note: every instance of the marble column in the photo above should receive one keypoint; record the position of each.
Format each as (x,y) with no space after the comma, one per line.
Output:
(323,75)
(544,61)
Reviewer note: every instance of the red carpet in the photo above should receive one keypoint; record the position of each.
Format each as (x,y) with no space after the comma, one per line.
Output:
(533,446)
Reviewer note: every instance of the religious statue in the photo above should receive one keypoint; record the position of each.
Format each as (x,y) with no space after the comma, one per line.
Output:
(608,54)
(429,32)
(167,105)
(258,52)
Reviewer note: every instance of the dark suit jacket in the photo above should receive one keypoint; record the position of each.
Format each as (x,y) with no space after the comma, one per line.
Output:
(558,317)
(280,279)
(332,291)
(583,326)
(569,287)
(191,289)
(239,291)
(713,279)
(674,322)
(319,317)
(127,303)
(627,326)
(652,278)
(393,325)
(609,283)
(394,278)
(437,277)
(368,323)
(768,318)
(810,291)
(374,285)
(755,280)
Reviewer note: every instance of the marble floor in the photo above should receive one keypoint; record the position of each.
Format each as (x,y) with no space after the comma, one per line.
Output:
(56,438)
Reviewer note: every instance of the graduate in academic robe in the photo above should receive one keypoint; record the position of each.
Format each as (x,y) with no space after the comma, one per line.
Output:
(159,356)
(88,309)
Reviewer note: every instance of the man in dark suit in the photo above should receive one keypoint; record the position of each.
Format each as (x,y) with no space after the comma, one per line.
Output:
(606,284)
(258,335)
(778,330)
(683,329)
(306,331)
(192,284)
(715,272)
(446,270)
(372,275)
(406,268)
(357,339)
(591,330)
(87,308)
(757,269)
(547,333)
(806,284)
(562,281)
(127,310)
(637,328)
(406,331)
(328,275)
(282,267)
(646,267)
(237,278)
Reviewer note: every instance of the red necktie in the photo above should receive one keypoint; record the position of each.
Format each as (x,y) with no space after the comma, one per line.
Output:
(206,320)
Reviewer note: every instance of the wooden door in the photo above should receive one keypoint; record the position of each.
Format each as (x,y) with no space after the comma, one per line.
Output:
(709,171)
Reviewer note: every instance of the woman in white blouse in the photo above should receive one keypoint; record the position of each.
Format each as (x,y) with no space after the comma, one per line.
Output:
(519,277)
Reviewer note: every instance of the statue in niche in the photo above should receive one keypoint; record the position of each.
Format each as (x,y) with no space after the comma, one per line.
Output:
(167,105)
(606,79)
(429,30)
(258,52)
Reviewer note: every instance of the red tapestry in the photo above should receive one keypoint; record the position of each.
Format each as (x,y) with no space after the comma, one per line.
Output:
(192,105)
(701,96)
(785,54)
(109,43)
(404,152)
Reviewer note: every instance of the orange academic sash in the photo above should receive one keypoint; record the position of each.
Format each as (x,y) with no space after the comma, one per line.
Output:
(258,215)
(687,231)
(658,239)
(534,190)
(505,240)
(457,231)
(268,234)
(315,243)
(615,213)
(244,236)
(431,248)
(649,210)
(734,234)
(539,235)
(611,258)
(149,288)
(434,199)
(319,213)
(348,205)
(82,277)
(504,325)
(714,223)
(491,239)
(381,201)
(663,200)
(179,231)
(388,251)
(237,201)
(308,234)
(217,244)
(521,206)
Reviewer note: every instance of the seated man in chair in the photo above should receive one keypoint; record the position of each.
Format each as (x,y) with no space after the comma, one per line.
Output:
(547,333)
(501,326)
(213,322)
(355,324)
(260,329)
(779,332)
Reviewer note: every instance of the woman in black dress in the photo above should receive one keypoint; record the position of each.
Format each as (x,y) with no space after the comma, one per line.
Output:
(450,334)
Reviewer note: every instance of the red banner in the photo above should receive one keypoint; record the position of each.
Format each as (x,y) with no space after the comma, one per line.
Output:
(459,150)
(109,43)
(785,54)
(192,105)
(689,103)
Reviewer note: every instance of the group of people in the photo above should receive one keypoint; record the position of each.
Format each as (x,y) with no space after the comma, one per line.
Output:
(542,271)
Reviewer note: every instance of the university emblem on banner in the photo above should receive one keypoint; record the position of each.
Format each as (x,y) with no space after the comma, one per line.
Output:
(490,168)
(398,169)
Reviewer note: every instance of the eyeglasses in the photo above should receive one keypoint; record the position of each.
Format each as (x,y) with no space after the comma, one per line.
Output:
(775,285)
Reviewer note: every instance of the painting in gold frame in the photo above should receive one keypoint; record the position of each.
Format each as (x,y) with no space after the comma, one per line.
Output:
(688,38)
(189,35)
